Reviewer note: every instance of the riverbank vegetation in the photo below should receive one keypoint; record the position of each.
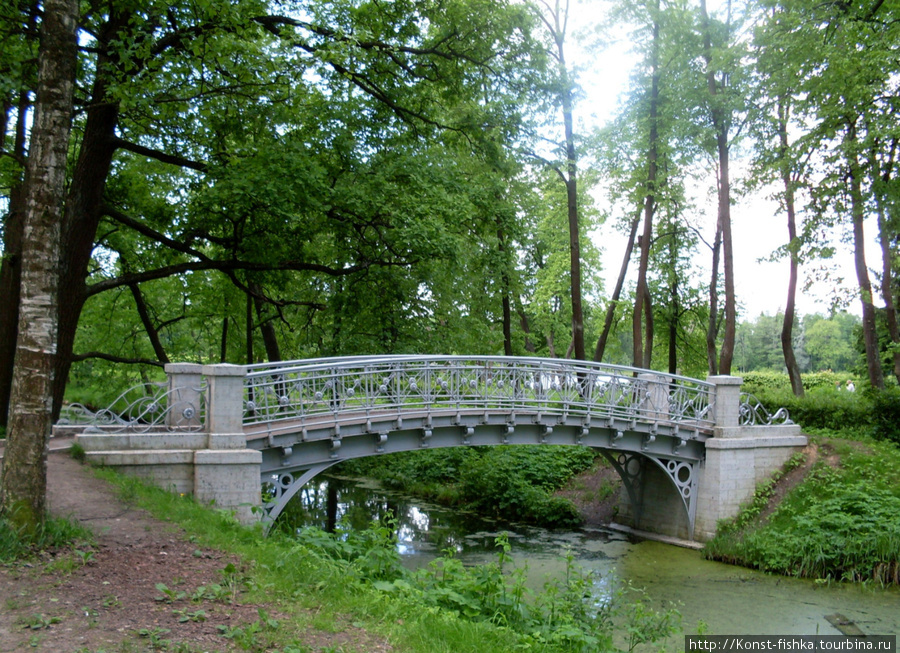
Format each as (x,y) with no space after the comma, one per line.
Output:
(829,407)
(327,578)
(515,483)
(840,518)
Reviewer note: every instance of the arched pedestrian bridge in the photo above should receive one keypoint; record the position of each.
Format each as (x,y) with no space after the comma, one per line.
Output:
(686,449)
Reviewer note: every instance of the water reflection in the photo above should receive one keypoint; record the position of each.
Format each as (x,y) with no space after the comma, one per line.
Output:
(729,600)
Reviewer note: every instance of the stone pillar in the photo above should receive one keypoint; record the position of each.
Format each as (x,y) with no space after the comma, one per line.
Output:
(227,473)
(185,395)
(656,401)
(726,407)
(225,406)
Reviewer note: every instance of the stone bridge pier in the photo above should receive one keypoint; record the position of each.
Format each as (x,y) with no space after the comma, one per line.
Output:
(198,449)
(738,458)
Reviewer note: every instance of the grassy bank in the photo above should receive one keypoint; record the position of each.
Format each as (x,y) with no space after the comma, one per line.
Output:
(842,522)
(357,578)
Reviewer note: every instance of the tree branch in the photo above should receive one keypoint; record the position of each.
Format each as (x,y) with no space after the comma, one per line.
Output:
(116,359)
(159,156)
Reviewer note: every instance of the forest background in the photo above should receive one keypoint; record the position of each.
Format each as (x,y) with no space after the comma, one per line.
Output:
(253,180)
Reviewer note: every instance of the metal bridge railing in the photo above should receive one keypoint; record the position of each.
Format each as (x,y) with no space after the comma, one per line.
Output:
(343,389)
(143,408)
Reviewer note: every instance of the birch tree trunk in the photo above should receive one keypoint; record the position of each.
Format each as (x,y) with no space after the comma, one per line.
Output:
(24,479)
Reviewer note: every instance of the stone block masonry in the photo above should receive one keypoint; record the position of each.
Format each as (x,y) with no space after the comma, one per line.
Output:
(208,460)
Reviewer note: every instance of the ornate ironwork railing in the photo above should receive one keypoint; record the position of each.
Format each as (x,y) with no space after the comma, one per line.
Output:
(143,408)
(352,388)
(753,413)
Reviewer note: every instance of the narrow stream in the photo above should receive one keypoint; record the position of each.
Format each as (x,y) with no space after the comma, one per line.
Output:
(729,600)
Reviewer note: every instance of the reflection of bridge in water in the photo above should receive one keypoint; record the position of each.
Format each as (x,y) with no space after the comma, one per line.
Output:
(687,450)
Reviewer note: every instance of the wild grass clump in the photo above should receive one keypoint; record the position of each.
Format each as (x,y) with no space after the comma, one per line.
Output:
(53,535)
(841,523)
(510,482)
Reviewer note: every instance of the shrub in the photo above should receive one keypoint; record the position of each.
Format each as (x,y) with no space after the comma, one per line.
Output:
(822,408)
(885,414)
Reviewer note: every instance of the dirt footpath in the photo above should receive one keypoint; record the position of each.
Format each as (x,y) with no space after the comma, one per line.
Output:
(104,598)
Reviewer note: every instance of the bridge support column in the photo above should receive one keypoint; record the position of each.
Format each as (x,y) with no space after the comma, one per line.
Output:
(737,458)
(227,472)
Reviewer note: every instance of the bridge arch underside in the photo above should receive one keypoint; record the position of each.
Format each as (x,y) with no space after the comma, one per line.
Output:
(658,462)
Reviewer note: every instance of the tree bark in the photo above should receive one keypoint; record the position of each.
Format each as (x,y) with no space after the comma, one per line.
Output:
(523,322)
(23,486)
(881,180)
(857,209)
(11,267)
(504,302)
(149,327)
(675,305)
(787,328)
(712,331)
(720,122)
(570,178)
(643,310)
(270,338)
(223,346)
(84,203)
(10,263)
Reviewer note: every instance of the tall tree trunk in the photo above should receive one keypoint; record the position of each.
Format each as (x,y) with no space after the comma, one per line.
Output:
(574,239)
(617,291)
(557,29)
(881,180)
(643,310)
(857,209)
(523,322)
(270,338)
(675,306)
(84,202)
(787,327)
(223,343)
(248,333)
(720,120)
(505,289)
(23,486)
(11,266)
(147,321)
(712,330)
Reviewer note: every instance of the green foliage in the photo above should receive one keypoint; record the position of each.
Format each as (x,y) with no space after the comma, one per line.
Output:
(53,535)
(371,554)
(824,406)
(841,523)
(510,482)
(761,497)
(420,612)
(761,381)
(885,414)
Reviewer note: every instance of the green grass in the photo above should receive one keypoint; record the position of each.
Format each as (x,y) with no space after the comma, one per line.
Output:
(330,582)
(55,534)
(842,523)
